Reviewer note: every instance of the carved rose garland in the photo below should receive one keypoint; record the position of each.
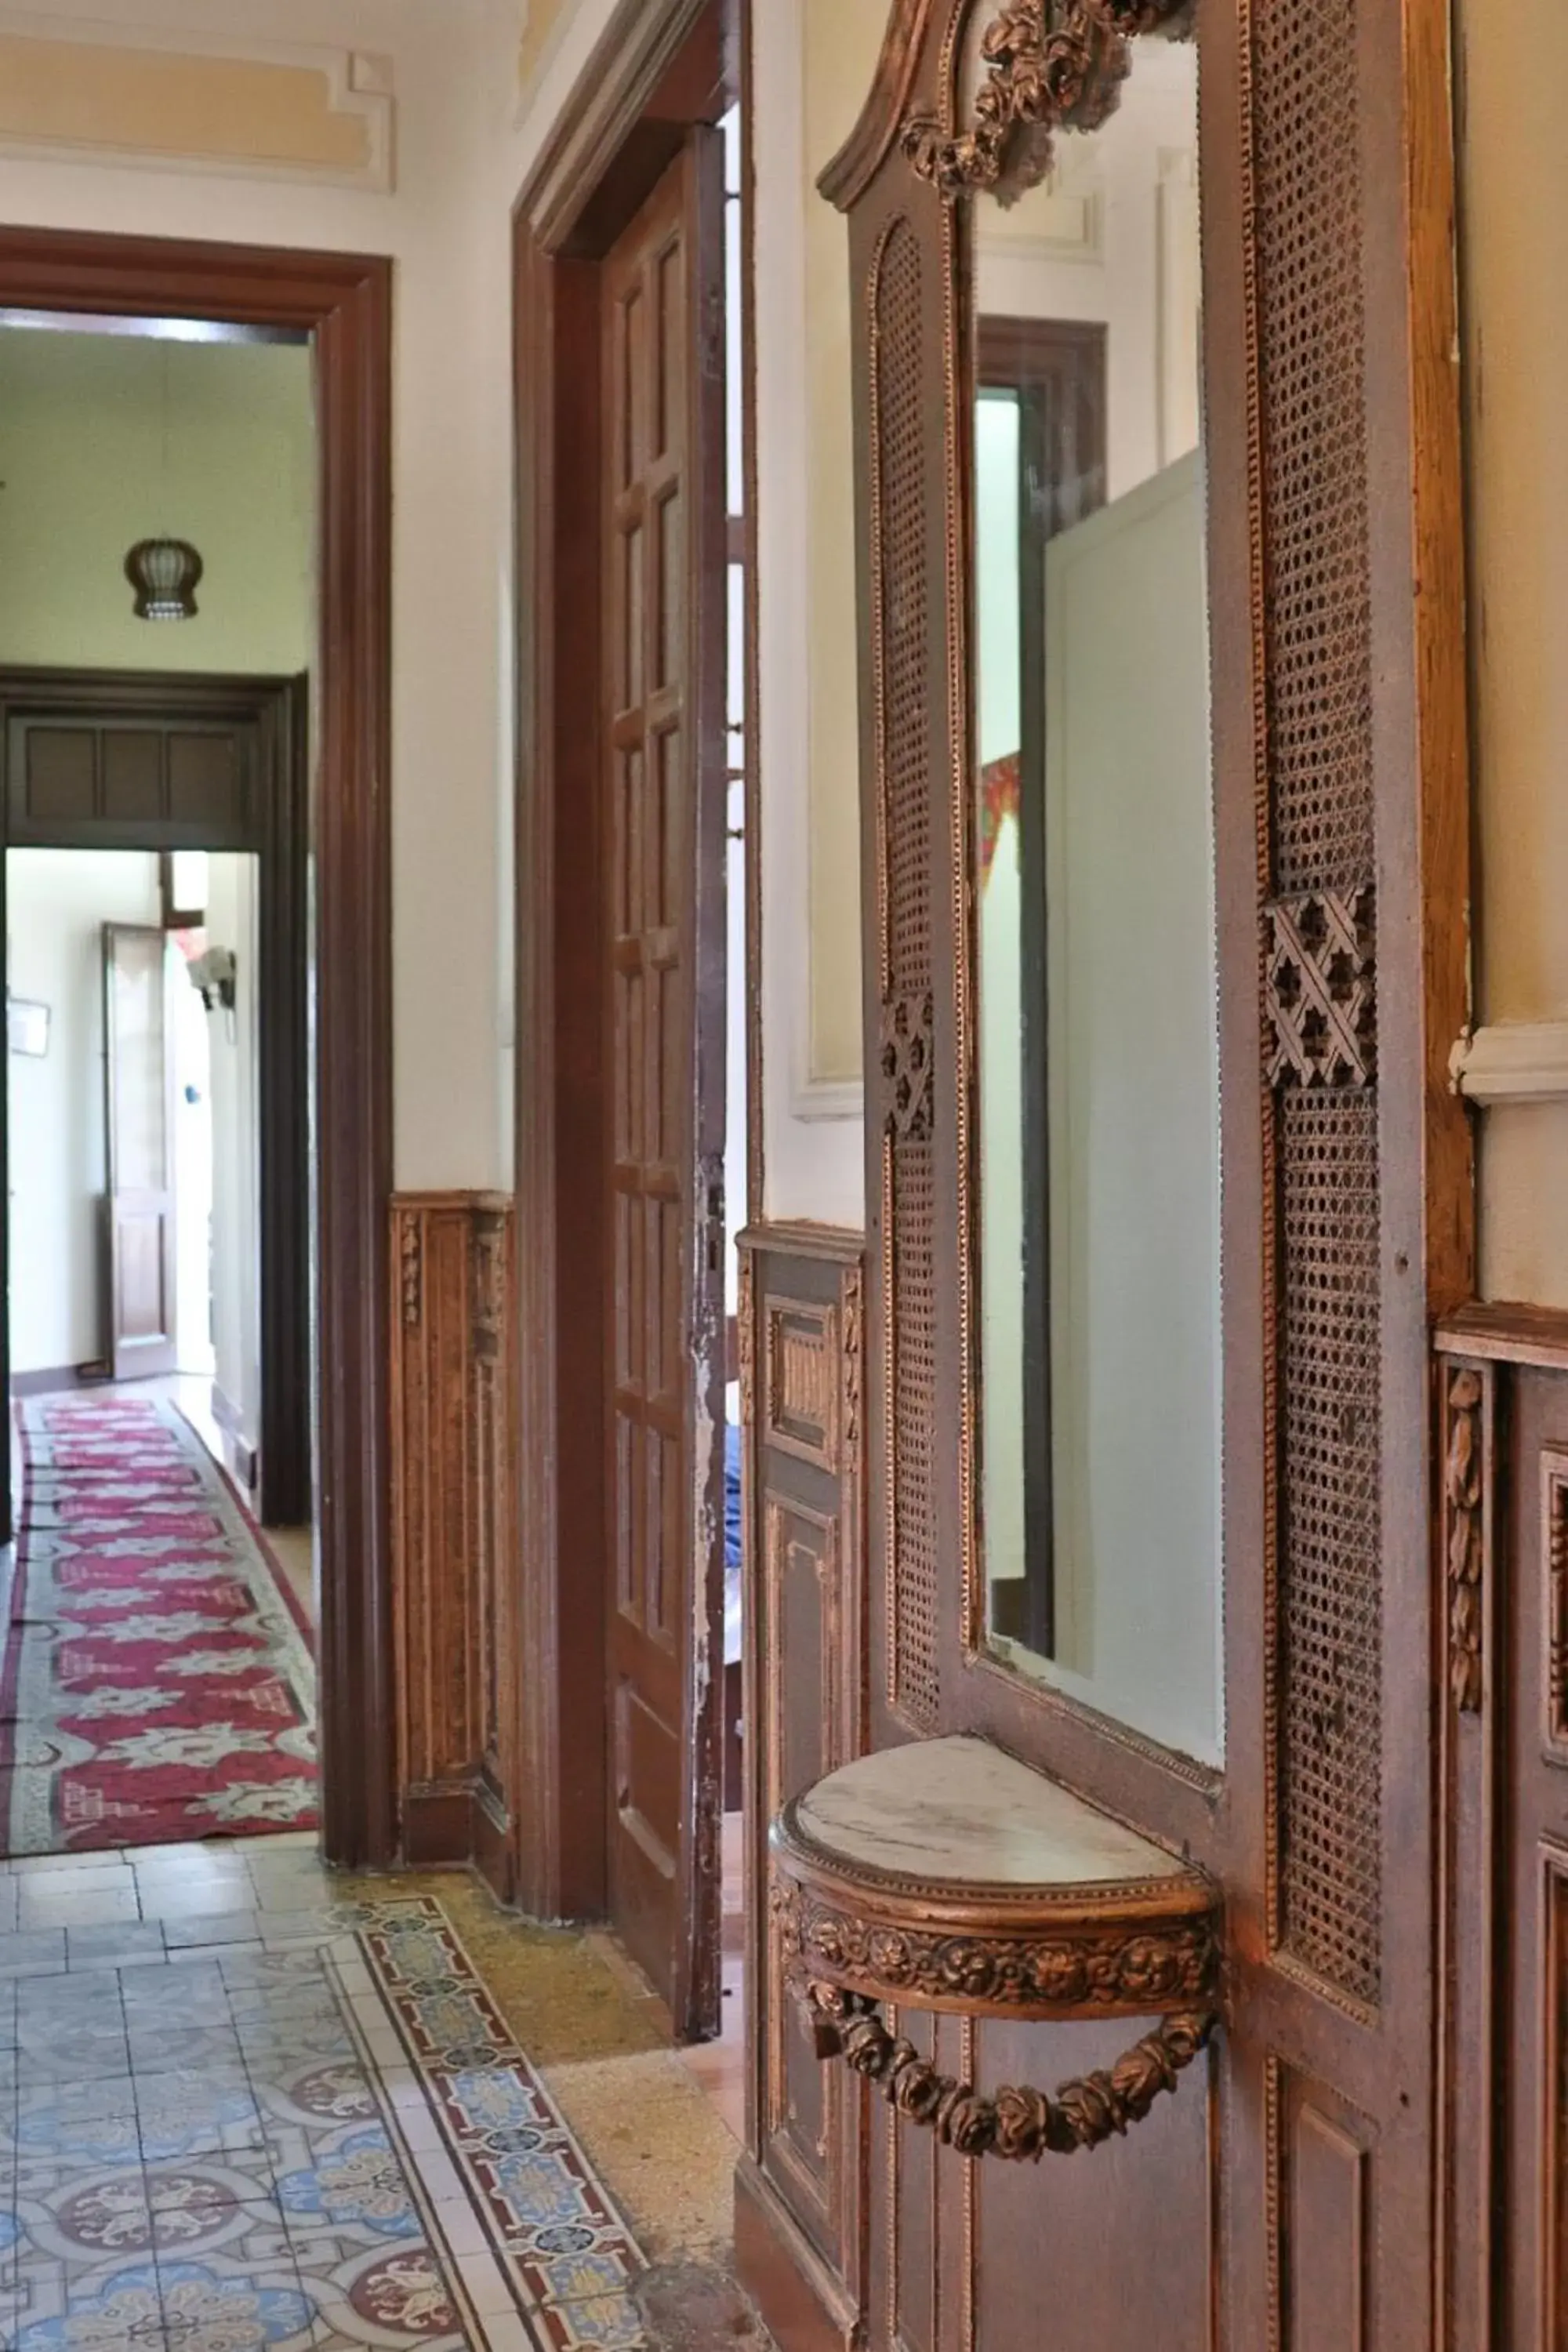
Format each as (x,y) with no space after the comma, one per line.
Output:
(1019,2125)
(1050,65)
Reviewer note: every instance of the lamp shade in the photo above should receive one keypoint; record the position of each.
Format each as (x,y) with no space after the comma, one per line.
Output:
(163,572)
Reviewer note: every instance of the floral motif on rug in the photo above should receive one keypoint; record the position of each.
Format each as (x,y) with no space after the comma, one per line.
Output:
(157,1683)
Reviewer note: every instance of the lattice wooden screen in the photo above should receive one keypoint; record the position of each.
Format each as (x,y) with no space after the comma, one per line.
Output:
(901,490)
(1317,744)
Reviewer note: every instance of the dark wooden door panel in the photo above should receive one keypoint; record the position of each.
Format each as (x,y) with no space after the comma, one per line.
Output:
(77,775)
(663,695)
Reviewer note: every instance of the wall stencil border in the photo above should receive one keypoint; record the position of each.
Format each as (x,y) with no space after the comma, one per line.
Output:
(84,91)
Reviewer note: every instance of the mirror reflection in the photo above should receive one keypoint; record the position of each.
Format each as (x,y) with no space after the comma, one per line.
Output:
(1098,1091)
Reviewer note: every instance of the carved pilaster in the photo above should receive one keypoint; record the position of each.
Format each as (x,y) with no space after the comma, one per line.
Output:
(411,1267)
(1465,1470)
(1554,1555)
(451,1471)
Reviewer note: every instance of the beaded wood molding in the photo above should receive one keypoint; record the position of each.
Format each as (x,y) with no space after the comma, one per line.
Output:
(1048,68)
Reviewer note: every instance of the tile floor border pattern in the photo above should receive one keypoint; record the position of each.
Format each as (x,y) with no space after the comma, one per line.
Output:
(327,2141)
(556,2237)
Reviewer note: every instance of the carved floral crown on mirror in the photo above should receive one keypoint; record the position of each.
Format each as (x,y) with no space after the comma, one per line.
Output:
(1049,66)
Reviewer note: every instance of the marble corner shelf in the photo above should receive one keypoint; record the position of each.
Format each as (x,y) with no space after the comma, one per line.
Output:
(947,1875)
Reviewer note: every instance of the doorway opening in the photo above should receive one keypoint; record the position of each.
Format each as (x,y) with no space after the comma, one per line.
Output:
(630,929)
(157,1679)
(156,898)
(110,757)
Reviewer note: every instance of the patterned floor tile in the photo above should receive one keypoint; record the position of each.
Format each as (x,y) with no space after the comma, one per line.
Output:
(41,1953)
(209,2303)
(110,2307)
(71,2120)
(611,2323)
(330,2143)
(160,2045)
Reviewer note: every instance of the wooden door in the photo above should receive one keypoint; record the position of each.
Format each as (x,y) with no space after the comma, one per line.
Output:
(663,684)
(139,1127)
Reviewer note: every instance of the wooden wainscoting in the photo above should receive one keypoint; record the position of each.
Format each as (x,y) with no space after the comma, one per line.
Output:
(1502,1408)
(452,1515)
(800,2189)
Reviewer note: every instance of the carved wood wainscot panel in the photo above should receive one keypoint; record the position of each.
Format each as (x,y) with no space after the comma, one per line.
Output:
(452,1453)
(1503,1388)
(1554,1563)
(801,1336)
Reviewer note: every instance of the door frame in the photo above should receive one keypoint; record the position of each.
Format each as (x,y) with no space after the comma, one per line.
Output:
(343,301)
(661,68)
(278,835)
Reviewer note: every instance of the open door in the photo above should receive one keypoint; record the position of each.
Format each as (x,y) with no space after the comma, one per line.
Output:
(139,1127)
(663,686)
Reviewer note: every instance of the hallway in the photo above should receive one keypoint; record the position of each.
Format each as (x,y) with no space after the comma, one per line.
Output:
(158,1680)
(242,2104)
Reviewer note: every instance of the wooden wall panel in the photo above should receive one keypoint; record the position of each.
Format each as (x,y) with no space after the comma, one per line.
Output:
(1503,2093)
(801,1344)
(1086,2223)
(1319,2192)
(452,1461)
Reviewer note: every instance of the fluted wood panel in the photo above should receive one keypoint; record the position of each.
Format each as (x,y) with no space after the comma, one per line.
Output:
(452,1513)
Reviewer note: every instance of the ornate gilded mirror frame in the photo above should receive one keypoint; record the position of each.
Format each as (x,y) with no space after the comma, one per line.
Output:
(1316,761)
(1339,758)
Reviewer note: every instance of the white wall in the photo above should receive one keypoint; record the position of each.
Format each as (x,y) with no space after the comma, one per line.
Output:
(807,722)
(231,922)
(444,224)
(57,903)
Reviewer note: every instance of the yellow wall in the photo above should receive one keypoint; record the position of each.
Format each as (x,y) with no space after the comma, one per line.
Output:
(105,440)
(540,20)
(71,95)
(1514,196)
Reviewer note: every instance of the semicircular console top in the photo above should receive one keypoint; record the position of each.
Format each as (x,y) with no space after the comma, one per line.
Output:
(946,1874)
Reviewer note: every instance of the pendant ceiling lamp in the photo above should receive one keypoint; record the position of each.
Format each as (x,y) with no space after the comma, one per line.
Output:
(164,570)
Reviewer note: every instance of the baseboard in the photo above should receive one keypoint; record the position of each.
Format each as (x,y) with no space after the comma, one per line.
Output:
(802,2302)
(439,1823)
(492,1845)
(51,1382)
(226,1414)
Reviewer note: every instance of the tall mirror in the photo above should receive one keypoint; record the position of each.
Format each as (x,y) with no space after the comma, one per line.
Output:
(1097,1075)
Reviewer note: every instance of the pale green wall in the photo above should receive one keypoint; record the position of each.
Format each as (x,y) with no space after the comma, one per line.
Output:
(82,440)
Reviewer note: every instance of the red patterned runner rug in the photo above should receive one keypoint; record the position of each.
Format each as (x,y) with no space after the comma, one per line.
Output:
(157,1683)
